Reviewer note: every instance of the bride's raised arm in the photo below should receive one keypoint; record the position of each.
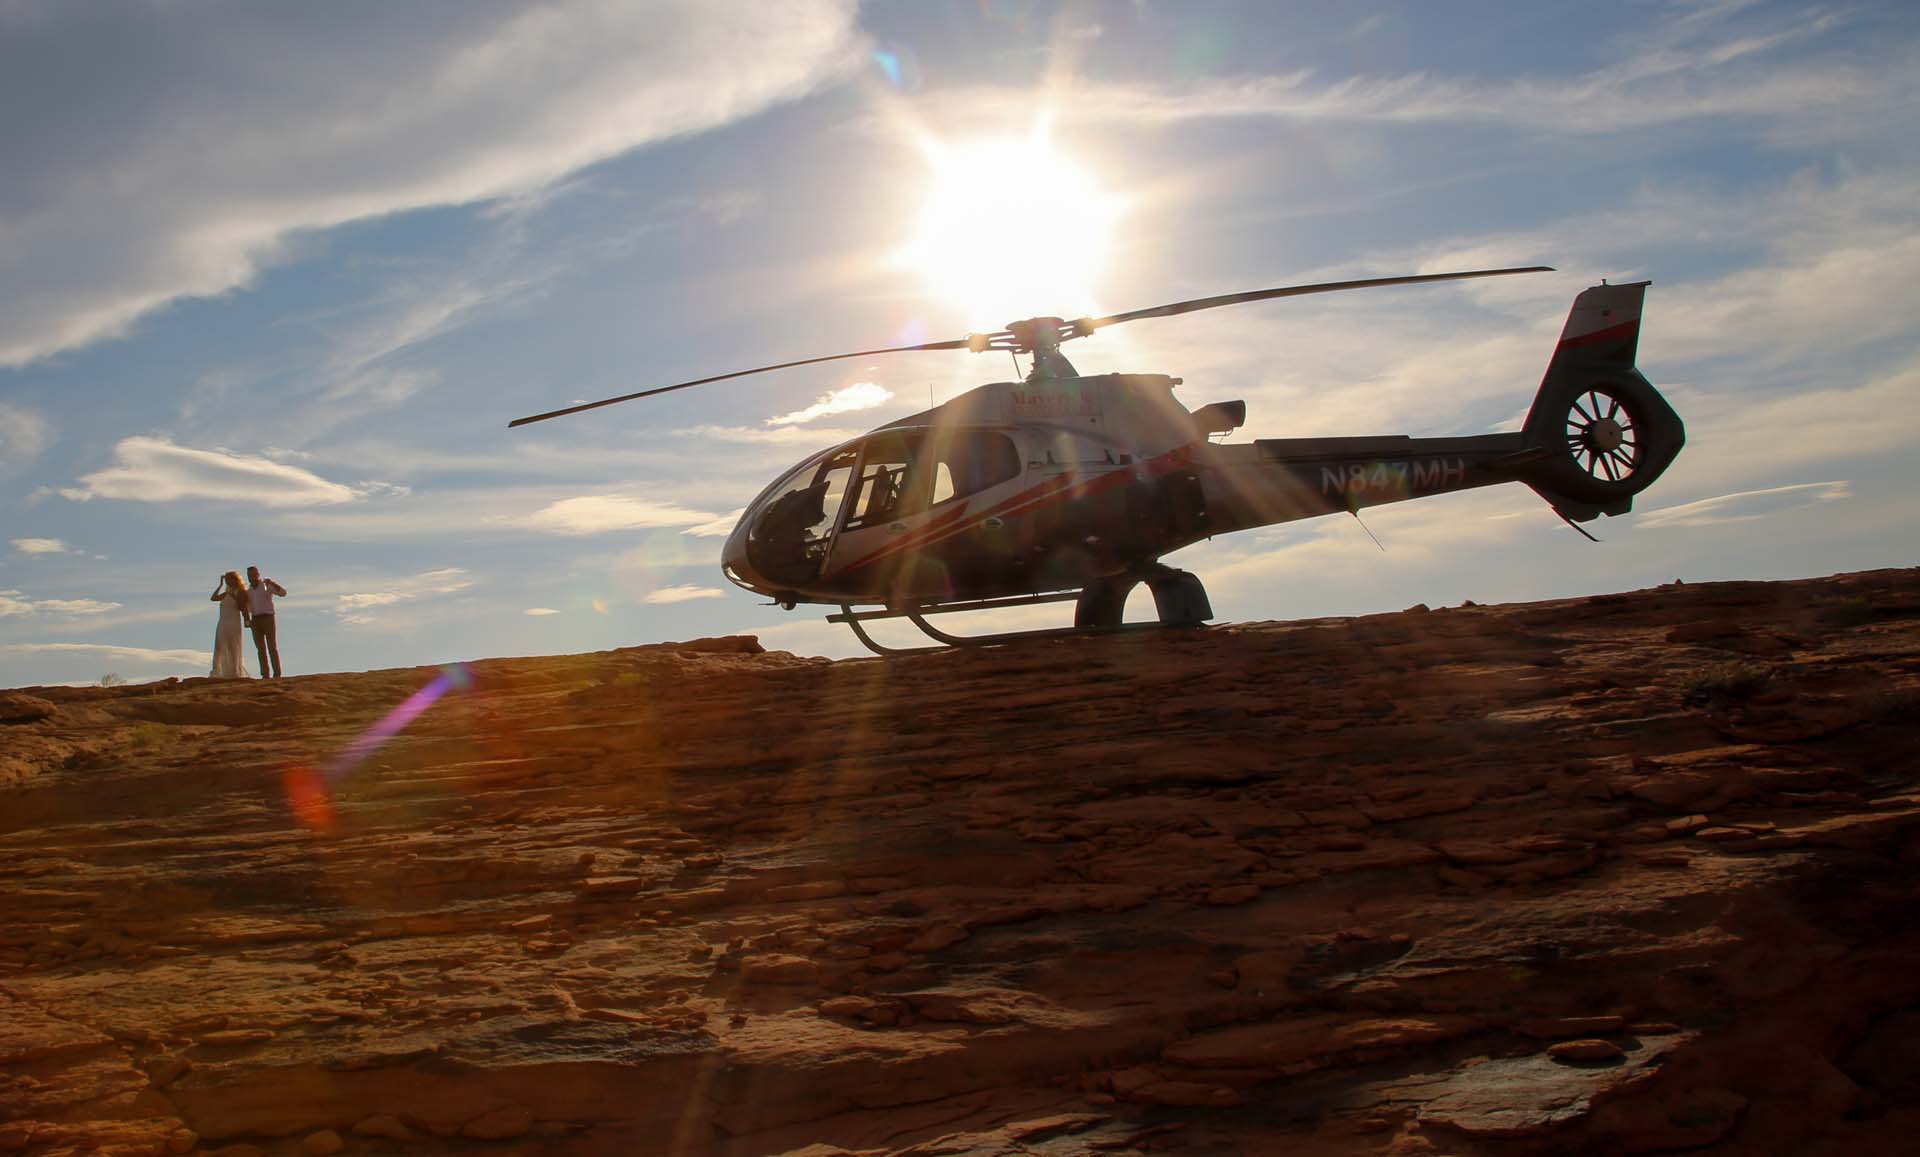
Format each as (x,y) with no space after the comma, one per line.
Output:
(219,588)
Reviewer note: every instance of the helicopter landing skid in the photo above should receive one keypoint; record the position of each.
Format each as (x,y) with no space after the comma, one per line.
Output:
(1101,623)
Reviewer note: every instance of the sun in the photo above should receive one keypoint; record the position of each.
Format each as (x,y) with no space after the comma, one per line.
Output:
(1012,229)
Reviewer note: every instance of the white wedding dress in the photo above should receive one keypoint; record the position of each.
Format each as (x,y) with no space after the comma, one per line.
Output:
(229,656)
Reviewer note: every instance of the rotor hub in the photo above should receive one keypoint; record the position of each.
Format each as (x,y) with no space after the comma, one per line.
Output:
(1604,435)
(1036,333)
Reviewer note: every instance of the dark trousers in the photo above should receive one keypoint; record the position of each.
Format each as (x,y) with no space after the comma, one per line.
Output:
(267,642)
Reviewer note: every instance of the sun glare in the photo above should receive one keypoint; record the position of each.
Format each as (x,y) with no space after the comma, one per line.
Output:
(1012,230)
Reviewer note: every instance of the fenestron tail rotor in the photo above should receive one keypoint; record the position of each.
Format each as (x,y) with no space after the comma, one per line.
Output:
(1044,334)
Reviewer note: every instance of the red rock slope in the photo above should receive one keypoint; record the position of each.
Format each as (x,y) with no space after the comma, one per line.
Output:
(1617,874)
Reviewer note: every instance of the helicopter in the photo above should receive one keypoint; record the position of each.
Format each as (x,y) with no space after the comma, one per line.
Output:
(1070,487)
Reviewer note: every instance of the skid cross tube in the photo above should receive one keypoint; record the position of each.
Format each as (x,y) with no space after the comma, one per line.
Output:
(917,615)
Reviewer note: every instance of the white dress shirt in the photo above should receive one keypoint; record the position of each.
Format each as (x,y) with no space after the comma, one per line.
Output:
(260,598)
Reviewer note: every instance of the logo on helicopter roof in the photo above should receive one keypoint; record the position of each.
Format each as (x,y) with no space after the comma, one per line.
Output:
(1054,403)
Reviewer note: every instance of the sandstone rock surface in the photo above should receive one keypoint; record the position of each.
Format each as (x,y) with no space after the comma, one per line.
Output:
(1596,876)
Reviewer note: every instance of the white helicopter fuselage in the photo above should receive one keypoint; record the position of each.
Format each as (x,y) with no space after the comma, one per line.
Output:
(1064,481)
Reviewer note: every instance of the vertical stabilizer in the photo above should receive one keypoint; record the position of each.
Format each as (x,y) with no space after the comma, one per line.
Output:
(1603,329)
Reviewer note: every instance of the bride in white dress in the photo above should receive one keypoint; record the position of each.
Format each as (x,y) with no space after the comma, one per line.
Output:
(229,659)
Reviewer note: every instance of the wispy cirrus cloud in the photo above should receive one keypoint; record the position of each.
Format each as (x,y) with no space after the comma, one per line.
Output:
(814,436)
(602,513)
(149,469)
(354,608)
(170,658)
(1746,505)
(682,594)
(183,175)
(1700,66)
(24,435)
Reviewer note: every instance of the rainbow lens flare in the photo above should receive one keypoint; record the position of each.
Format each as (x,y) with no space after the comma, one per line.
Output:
(309,794)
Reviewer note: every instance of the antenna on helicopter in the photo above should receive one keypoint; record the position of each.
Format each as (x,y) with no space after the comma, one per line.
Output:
(1041,336)
(1584,532)
(1369,530)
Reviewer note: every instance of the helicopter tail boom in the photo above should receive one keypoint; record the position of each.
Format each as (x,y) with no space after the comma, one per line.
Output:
(1597,434)
(1282,479)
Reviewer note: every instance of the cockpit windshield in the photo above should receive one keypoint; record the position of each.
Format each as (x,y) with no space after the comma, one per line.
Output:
(788,541)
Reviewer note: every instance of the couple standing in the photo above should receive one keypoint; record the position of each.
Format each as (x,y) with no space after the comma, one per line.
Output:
(250,606)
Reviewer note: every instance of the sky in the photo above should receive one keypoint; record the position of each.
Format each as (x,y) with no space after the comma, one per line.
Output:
(274,278)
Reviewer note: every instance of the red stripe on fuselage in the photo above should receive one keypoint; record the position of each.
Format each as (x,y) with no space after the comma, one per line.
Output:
(912,540)
(1621,332)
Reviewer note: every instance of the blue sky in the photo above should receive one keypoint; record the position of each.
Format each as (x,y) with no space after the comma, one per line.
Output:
(273,279)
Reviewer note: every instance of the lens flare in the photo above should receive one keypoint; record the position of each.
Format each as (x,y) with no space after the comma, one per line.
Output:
(899,66)
(309,792)
(307,798)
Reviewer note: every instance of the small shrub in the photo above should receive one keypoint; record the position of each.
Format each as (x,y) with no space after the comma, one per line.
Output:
(1849,613)
(110,679)
(1733,681)
(149,735)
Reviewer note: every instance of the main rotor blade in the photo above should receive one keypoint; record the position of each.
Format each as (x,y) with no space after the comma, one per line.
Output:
(958,344)
(1200,303)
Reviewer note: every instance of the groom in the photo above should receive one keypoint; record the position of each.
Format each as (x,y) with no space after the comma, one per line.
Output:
(260,592)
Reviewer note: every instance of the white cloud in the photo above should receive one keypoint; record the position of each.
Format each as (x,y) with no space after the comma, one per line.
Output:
(352,607)
(176,658)
(1746,505)
(817,437)
(539,611)
(41,546)
(683,594)
(601,513)
(15,603)
(75,606)
(496,511)
(24,435)
(184,175)
(1735,438)
(148,469)
(845,400)
(718,528)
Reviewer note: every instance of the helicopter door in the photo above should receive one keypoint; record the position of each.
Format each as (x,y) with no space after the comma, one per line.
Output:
(886,491)
(946,472)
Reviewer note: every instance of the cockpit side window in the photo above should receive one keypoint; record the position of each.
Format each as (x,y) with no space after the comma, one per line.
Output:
(965,462)
(900,473)
(888,486)
(943,487)
(1070,449)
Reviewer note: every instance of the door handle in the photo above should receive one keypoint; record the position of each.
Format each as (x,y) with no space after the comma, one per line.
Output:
(897,528)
